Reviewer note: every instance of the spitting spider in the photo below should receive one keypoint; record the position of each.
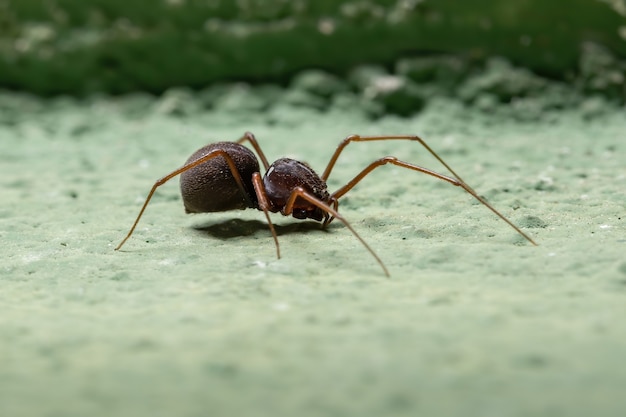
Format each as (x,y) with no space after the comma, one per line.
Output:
(225,176)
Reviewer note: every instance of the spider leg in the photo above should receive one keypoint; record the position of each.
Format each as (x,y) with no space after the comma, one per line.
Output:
(299,192)
(327,217)
(264,205)
(454,181)
(252,139)
(358,138)
(187,167)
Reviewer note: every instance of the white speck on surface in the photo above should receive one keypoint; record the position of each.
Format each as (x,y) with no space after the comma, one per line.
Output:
(31,257)
(167,262)
(260,264)
(281,306)
(605,226)
(546,179)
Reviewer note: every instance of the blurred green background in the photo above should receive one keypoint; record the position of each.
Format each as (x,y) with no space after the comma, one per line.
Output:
(118,46)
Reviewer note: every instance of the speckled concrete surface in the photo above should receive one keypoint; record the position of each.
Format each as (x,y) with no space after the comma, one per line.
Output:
(197,317)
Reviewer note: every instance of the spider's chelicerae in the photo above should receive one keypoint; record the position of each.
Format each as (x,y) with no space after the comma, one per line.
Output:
(225,176)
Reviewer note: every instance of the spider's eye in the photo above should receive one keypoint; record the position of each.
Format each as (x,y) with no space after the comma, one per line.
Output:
(299,213)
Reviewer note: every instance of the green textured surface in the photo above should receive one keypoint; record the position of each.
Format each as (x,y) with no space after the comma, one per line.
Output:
(76,47)
(196,317)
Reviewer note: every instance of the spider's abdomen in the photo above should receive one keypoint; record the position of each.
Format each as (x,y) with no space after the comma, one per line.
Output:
(211,186)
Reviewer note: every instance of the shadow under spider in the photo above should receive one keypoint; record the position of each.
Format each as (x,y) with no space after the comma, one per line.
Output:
(233,228)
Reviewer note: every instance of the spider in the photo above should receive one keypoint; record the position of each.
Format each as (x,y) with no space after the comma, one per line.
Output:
(225,176)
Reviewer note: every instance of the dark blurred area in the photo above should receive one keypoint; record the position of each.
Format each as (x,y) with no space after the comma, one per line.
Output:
(79,47)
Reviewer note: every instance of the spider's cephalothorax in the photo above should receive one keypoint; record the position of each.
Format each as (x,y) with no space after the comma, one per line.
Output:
(285,175)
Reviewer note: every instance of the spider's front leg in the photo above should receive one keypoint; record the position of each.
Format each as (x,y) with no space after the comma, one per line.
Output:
(331,212)
(334,203)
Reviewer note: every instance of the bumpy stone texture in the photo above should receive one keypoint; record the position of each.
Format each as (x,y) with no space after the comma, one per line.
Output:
(77,47)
